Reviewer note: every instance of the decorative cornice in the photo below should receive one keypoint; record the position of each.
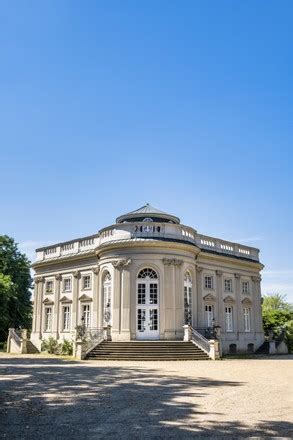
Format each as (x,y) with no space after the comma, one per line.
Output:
(172,262)
(65,299)
(123,262)
(76,274)
(85,297)
(58,277)
(210,298)
(219,273)
(229,299)
(247,301)
(48,301)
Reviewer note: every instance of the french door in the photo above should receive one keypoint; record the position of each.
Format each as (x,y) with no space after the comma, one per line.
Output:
(147,310)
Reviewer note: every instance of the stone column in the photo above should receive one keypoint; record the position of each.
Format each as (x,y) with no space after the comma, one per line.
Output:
(179,299)
(121,303)
(219,318)
(170,296)
(96,271)
(238,313)
(35,308)
(75,311)
(56,314)
(200,305)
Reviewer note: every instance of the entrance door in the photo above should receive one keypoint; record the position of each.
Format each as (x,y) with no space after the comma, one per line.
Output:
(147,313)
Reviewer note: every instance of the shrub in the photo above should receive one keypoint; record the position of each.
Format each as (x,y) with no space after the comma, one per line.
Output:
(50,345)
(67,347)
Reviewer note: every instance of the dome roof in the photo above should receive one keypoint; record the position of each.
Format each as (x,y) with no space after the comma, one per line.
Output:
(148,211)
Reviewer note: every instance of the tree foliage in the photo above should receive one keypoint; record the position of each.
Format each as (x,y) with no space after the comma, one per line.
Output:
(277,316)
(15,285)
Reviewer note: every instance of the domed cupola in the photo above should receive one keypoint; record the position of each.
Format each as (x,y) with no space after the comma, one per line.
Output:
(148,213)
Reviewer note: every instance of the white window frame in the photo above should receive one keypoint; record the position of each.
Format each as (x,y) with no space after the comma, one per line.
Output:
(247,289)
(229,319)
(247,319)
(107,297)
(228,285)
(86,314)
(188,293)
(86,276)
(209,314)
(48,318)
(64,284)
(47,289)
(66,318)
(208,285)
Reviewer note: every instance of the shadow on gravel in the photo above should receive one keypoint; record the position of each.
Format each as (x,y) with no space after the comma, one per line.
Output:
(56,399)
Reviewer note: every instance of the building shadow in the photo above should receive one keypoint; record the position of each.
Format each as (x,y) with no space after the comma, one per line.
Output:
(60,399)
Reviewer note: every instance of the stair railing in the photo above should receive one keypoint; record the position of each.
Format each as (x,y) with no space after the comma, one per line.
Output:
(200,340)
(87,338)
(16,342)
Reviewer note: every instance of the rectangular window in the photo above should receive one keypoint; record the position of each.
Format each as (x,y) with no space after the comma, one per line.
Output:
(153,293)
(228,285)
(67,284)
(208,282)
(49,286)
(48,319)
(245,287)
(209,309)
(86,282)
(229,319)
(246,312)
(66,318)
(86,315)
(141,293)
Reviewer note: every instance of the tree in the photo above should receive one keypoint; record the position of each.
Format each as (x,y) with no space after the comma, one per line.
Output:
(15,285)
(277,316)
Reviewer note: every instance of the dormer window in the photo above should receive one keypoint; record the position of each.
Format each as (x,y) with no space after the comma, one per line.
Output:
(147,219)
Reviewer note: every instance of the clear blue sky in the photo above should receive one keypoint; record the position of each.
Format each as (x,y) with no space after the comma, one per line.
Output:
(106,105)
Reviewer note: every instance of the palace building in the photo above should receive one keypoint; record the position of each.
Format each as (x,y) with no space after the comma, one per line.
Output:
(145,277)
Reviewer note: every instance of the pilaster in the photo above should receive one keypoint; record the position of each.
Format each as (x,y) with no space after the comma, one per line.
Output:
(96,290)
(200,305)
(40,283)
(56,313)
(238,323)
(121,299)
(75,305)
(170,265)
(219,315)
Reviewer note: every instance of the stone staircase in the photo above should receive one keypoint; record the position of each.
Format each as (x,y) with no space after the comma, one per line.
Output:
(147,351)
(31,348)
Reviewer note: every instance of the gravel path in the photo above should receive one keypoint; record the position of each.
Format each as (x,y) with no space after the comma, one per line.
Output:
(51,398)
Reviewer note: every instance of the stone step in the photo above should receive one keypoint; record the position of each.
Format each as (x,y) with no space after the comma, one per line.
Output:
(31,348)
(149,350)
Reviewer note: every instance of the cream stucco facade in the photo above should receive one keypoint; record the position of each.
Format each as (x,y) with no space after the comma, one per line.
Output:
(146,276)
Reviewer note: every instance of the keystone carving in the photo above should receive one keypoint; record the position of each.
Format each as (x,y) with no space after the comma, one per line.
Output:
(96,270)
(256,278)
(76,274)
(39,280)
(237,276)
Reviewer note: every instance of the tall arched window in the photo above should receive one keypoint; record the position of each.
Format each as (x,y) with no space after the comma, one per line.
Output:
(107,295)
(147,322)
(187,298)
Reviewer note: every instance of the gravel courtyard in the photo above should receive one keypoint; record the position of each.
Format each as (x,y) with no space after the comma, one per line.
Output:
(51,398)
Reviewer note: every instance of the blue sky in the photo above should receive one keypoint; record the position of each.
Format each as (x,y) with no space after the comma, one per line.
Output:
(107,105)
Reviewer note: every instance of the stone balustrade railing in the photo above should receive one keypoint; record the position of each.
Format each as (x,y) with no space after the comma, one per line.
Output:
(127,231)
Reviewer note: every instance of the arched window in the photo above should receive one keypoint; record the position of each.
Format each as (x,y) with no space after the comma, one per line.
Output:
(144,273)
(147,219)
(107,303)
(187,298)
(147,304)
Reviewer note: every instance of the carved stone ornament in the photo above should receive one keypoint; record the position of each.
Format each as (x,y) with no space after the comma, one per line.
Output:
(58,277)
(172,262)
(219,273)
(256,278)
(237,276)
(76,274)
(96,270)
(123,262)
(39,280)
(199,269)
(229,299)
